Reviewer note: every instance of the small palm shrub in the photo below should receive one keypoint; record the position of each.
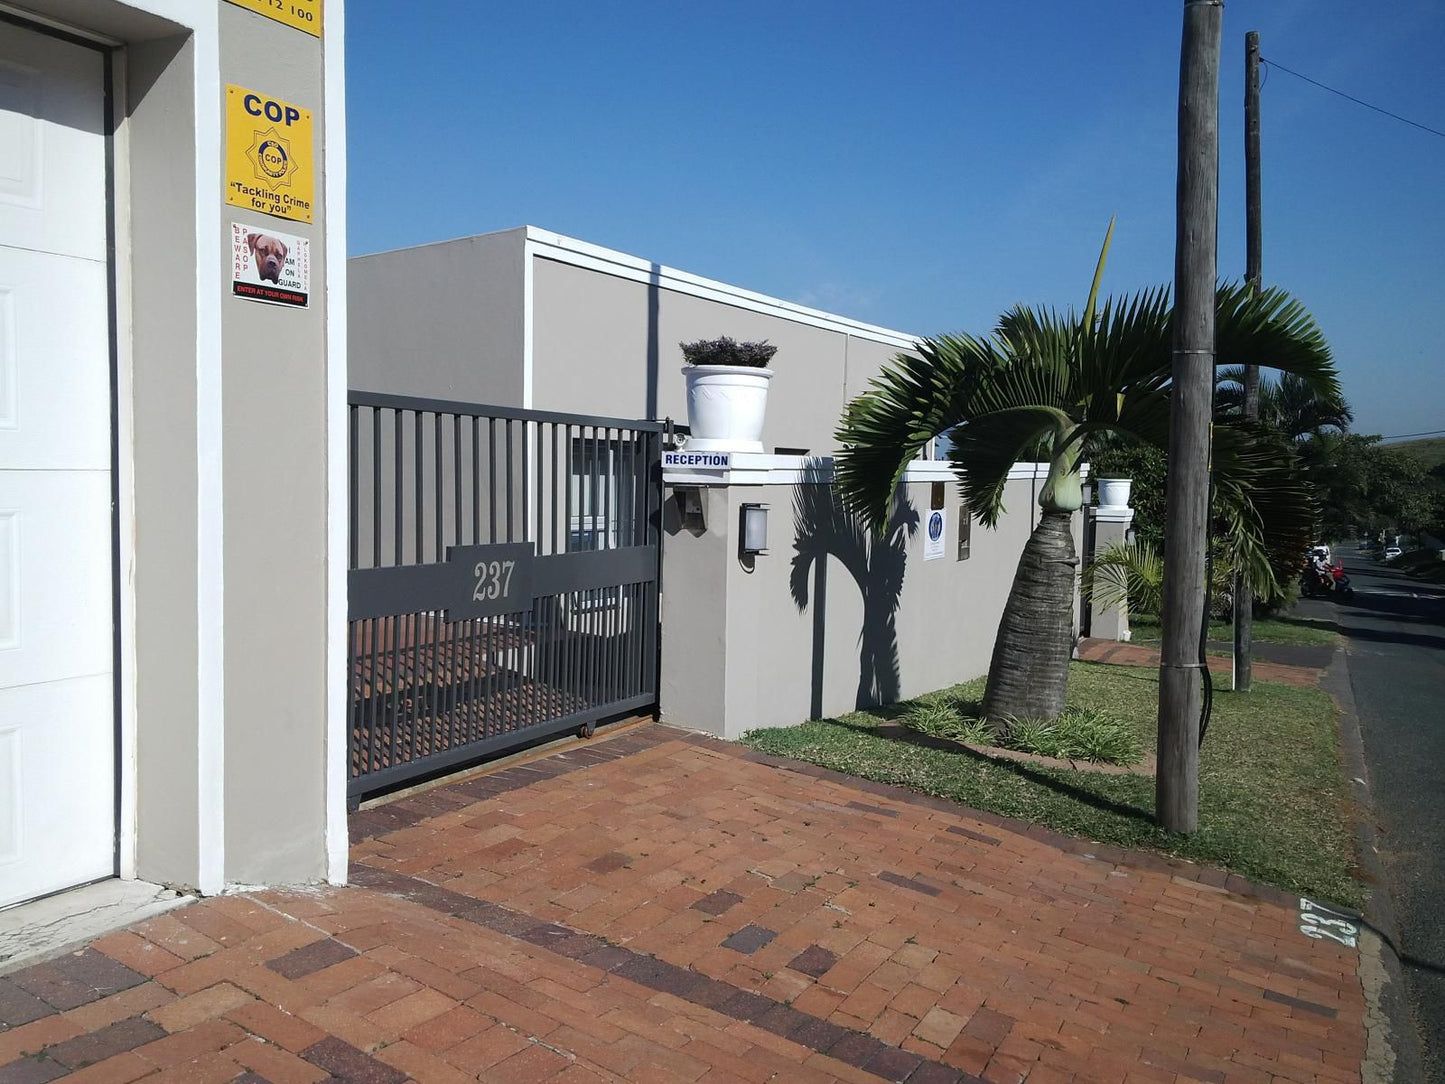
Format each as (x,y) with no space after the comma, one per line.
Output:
(942,719)
(1132,574)
(1077,734)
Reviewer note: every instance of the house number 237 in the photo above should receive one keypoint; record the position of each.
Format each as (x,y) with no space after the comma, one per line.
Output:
(494,580)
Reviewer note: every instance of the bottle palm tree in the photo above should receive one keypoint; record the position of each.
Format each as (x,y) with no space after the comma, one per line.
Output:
(1051,380)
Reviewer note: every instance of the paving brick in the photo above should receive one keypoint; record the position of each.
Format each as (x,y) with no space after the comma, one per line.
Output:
(486,1048)
(309,959)
(121,1069)
(189,1011)
(76,979)
(108,1041)
(341,1059)
(749,939)
(31,1070)
(813,960)
(446,1030)
(275,1025)
(184,1047)
(35,1036)
(606,863)
(716,903)
(271,1063)
(133,1002)
(19,1006)
(528,1066)
(420,1064)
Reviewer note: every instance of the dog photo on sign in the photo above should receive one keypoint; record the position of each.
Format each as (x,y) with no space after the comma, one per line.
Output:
(270,266)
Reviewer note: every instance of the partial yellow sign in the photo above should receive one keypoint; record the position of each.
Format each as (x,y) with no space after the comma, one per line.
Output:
(302,14)
(270,155)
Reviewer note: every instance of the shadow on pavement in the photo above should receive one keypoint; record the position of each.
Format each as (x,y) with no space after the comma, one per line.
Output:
(1381,636)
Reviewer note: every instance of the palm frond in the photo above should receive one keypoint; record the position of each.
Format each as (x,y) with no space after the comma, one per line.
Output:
(1268,509)
(1131,575)
(1127,574)
(984,449)
(1126,352)
(913,400)
(1273,330)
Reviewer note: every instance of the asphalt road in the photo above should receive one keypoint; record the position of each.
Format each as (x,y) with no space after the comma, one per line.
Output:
(1396,632)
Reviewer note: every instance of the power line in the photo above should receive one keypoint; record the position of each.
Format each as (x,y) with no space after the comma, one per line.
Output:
(1351,97)
(1403,436)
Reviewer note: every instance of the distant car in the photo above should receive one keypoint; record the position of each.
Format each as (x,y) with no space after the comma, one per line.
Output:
(1391,552)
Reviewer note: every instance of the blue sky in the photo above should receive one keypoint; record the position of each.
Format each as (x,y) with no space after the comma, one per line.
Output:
(919,165)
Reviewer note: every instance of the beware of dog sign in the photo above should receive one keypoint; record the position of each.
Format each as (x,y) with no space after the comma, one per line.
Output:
(270,155)
(302,14)
(270,266)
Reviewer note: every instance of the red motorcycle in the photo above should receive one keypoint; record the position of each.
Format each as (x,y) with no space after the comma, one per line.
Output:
(1332,582)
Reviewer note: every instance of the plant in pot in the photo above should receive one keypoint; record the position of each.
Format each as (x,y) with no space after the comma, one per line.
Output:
(727,393)
(1113,491)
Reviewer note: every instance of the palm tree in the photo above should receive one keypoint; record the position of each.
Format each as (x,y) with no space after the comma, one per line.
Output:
(1058,380)
(1289,404)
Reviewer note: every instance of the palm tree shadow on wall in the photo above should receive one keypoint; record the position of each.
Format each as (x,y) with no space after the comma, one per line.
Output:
(823,529)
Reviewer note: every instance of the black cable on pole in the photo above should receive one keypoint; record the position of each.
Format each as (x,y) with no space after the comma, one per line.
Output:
(1206,705)
(1351,97)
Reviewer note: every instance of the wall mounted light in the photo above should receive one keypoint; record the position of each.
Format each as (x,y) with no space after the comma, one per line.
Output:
(754,538)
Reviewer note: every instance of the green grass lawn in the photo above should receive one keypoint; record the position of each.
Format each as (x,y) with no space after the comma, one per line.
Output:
(1273,799)
(1270,630)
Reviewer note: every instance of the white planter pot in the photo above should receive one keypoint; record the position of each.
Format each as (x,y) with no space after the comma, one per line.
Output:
(725,407)
(1114,492)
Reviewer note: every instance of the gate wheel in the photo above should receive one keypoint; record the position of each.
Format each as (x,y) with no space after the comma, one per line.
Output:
(586,730)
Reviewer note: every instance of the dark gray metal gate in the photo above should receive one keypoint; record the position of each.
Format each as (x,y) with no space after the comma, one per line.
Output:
(503,583)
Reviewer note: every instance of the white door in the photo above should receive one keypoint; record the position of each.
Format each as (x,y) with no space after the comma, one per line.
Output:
(57,721)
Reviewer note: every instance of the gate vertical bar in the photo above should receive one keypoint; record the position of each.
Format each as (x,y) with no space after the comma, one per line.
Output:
(397,485)
(354,421)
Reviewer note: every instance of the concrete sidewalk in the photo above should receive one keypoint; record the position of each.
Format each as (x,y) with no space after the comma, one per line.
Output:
(661,906)
(1304,667)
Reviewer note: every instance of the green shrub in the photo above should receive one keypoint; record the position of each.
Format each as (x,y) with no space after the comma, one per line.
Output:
(940,718)
(1087,734)
(1077,734)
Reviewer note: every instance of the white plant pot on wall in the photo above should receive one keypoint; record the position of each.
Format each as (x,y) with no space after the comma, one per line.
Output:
(725,407)
(1114,492)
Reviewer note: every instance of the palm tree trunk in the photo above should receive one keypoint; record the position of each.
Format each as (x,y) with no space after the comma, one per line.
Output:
(1029,676)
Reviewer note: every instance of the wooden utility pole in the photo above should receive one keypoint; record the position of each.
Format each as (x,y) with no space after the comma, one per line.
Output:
(1254,255)
(1191,409)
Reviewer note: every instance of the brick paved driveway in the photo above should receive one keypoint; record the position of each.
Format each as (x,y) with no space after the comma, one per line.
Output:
(664,907)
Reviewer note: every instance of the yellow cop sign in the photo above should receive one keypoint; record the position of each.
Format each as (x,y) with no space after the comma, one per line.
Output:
(270,155)
(302,14)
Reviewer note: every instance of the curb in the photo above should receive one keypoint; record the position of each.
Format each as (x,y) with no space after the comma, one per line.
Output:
(1392,1050)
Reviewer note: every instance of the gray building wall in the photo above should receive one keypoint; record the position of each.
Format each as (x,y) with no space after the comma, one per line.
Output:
(274,461)
(160,103)
(829,619)
(443,321)
(450,320)
(603,344)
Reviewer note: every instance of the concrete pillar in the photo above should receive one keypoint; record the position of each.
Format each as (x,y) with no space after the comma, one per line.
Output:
(1109,523)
